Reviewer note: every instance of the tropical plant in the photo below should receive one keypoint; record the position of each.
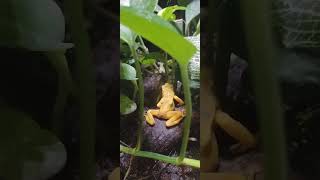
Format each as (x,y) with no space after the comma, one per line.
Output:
(138,19)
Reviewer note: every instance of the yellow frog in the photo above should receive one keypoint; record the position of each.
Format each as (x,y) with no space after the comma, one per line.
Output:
(166,108)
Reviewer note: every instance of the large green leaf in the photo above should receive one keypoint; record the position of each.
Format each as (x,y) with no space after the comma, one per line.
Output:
(147,5)
(127,106)
(193,10)
(34,24)
(159,32)
(24,144)
(127,72)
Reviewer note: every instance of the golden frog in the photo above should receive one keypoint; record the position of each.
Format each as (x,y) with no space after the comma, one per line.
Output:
(166,107)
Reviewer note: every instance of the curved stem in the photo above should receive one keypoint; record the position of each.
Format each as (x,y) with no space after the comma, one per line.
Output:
(59,62)
(141,96)
(84,77)
(187,121)
(172,160)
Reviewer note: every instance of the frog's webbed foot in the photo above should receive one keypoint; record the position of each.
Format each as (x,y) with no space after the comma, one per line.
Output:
(236,130)
(174,118)
(179,101)
(149,116)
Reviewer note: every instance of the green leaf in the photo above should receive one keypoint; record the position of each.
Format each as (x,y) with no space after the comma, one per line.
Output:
(192,10)
(168,12)
(148,5)
(159,32)
(147,61)
(127,35)
(24,144)
(127,106)
(37,25)
(127,72)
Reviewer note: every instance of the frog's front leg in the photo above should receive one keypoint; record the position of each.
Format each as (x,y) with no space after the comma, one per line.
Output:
(174,117)
(149,116)
(162,100)
(179,101)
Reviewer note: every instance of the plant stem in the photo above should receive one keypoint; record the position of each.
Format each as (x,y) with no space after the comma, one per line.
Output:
(188,108)
(262,59)
(172,160)
(166,67)
(129,168)
(144,47)
(59,62)
(84,77)
(141,96)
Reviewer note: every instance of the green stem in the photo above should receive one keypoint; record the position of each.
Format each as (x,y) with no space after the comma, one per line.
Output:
(59,62)
(144,47)
(136,88)
(172,160)
(188,108)
(262,59)
(84,77)
(141,97)
(166,67)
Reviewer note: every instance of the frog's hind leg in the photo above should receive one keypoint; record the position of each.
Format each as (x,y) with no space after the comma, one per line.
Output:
(235,129)
(149,116)
(174,118)
(179,101)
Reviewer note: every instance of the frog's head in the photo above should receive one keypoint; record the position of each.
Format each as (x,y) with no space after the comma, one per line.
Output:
(167,87)
(167,90)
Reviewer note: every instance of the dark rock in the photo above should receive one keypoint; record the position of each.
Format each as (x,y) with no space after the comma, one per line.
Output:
(160,139)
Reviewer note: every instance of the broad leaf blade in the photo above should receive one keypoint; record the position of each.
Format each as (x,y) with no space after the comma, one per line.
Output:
(159,32)
(127,106)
